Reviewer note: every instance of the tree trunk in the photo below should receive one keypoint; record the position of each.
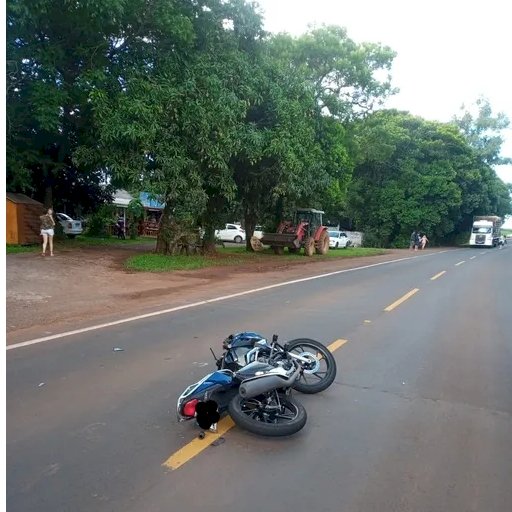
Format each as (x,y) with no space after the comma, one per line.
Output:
(48,189)
(279,210)
(175,237)
(250,220)
(164,242)
(215,205)
(209,240)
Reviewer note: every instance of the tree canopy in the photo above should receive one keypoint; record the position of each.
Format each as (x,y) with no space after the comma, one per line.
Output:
(192,101)
(416,174)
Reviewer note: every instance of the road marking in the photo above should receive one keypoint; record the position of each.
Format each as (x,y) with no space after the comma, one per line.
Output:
(438,275)
(335,345)
(367,321)
(196,446)
(397,303)
(472,257)
(460,263)
(208,301)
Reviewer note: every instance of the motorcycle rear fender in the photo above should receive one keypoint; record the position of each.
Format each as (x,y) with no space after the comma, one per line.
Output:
(211,384)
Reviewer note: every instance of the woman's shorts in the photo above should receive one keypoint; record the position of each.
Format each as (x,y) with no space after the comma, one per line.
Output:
(48,232)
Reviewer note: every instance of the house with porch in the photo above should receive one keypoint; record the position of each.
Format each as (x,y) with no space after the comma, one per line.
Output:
(153,207)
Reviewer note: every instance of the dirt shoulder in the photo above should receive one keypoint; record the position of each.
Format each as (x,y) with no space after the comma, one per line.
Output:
(89,285)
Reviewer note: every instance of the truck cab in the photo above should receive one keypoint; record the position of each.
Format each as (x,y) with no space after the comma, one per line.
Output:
(485,232)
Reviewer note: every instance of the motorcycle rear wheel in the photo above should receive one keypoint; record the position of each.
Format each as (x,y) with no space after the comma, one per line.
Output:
(254,417)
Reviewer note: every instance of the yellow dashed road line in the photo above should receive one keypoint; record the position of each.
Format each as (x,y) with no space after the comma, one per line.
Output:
(196,446)
(397,303)
(335,345)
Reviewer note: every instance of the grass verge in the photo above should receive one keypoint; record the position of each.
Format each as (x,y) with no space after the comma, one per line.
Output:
(83,241)
(234,256)
(17,249)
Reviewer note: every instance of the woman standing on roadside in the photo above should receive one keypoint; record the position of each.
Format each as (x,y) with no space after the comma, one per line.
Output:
(47,232)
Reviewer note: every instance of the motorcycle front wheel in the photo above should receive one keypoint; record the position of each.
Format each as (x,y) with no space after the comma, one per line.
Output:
(268,415)
(320,373)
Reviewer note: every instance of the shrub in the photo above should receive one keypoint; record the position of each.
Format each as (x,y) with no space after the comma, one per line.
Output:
(100,220)
(135,213)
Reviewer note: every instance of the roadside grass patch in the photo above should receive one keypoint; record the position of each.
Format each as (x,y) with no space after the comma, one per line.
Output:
(93,241)
(227,256)
(17,249)
(354,252)
(83,241)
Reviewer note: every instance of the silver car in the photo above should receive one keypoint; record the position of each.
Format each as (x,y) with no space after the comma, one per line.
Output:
(70,226)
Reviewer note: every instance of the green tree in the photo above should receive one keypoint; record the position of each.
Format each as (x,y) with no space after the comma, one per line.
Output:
(295,147)
(135,214)
(483,192)
(349,79)
(405,177)
(171,126)
(483,132)
(55,51)
(416,174)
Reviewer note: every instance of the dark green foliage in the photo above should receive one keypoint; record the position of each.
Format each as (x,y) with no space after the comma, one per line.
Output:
(416,174)
(100,220)
(135,214)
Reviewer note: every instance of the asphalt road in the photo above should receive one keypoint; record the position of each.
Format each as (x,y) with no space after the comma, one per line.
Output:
(419,418)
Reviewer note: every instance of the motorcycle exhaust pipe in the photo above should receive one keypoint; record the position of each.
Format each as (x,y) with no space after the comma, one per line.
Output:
(260,385)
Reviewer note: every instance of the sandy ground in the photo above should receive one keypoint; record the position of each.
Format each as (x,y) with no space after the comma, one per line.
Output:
(82,286)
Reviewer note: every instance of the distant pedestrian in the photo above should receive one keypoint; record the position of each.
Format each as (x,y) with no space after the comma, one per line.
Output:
(47,230)
(414,241)
(424,241)
(121,228)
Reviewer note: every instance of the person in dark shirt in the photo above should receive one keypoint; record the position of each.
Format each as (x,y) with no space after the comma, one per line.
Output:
(414,241)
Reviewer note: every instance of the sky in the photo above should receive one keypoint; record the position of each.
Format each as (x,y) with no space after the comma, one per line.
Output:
(448,52)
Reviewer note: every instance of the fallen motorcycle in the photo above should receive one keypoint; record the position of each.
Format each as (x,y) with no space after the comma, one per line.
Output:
(317,362)
(257,397)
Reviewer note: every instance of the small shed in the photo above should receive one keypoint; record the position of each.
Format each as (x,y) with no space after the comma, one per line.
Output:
(22,219)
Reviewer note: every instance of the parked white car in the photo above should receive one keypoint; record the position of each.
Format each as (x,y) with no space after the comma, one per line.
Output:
(70,227)
(338,239)
(231,233)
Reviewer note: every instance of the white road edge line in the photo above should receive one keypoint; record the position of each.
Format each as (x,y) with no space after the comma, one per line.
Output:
(207,301)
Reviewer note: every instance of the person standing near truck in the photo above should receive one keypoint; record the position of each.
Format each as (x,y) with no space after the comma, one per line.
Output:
(415,241)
